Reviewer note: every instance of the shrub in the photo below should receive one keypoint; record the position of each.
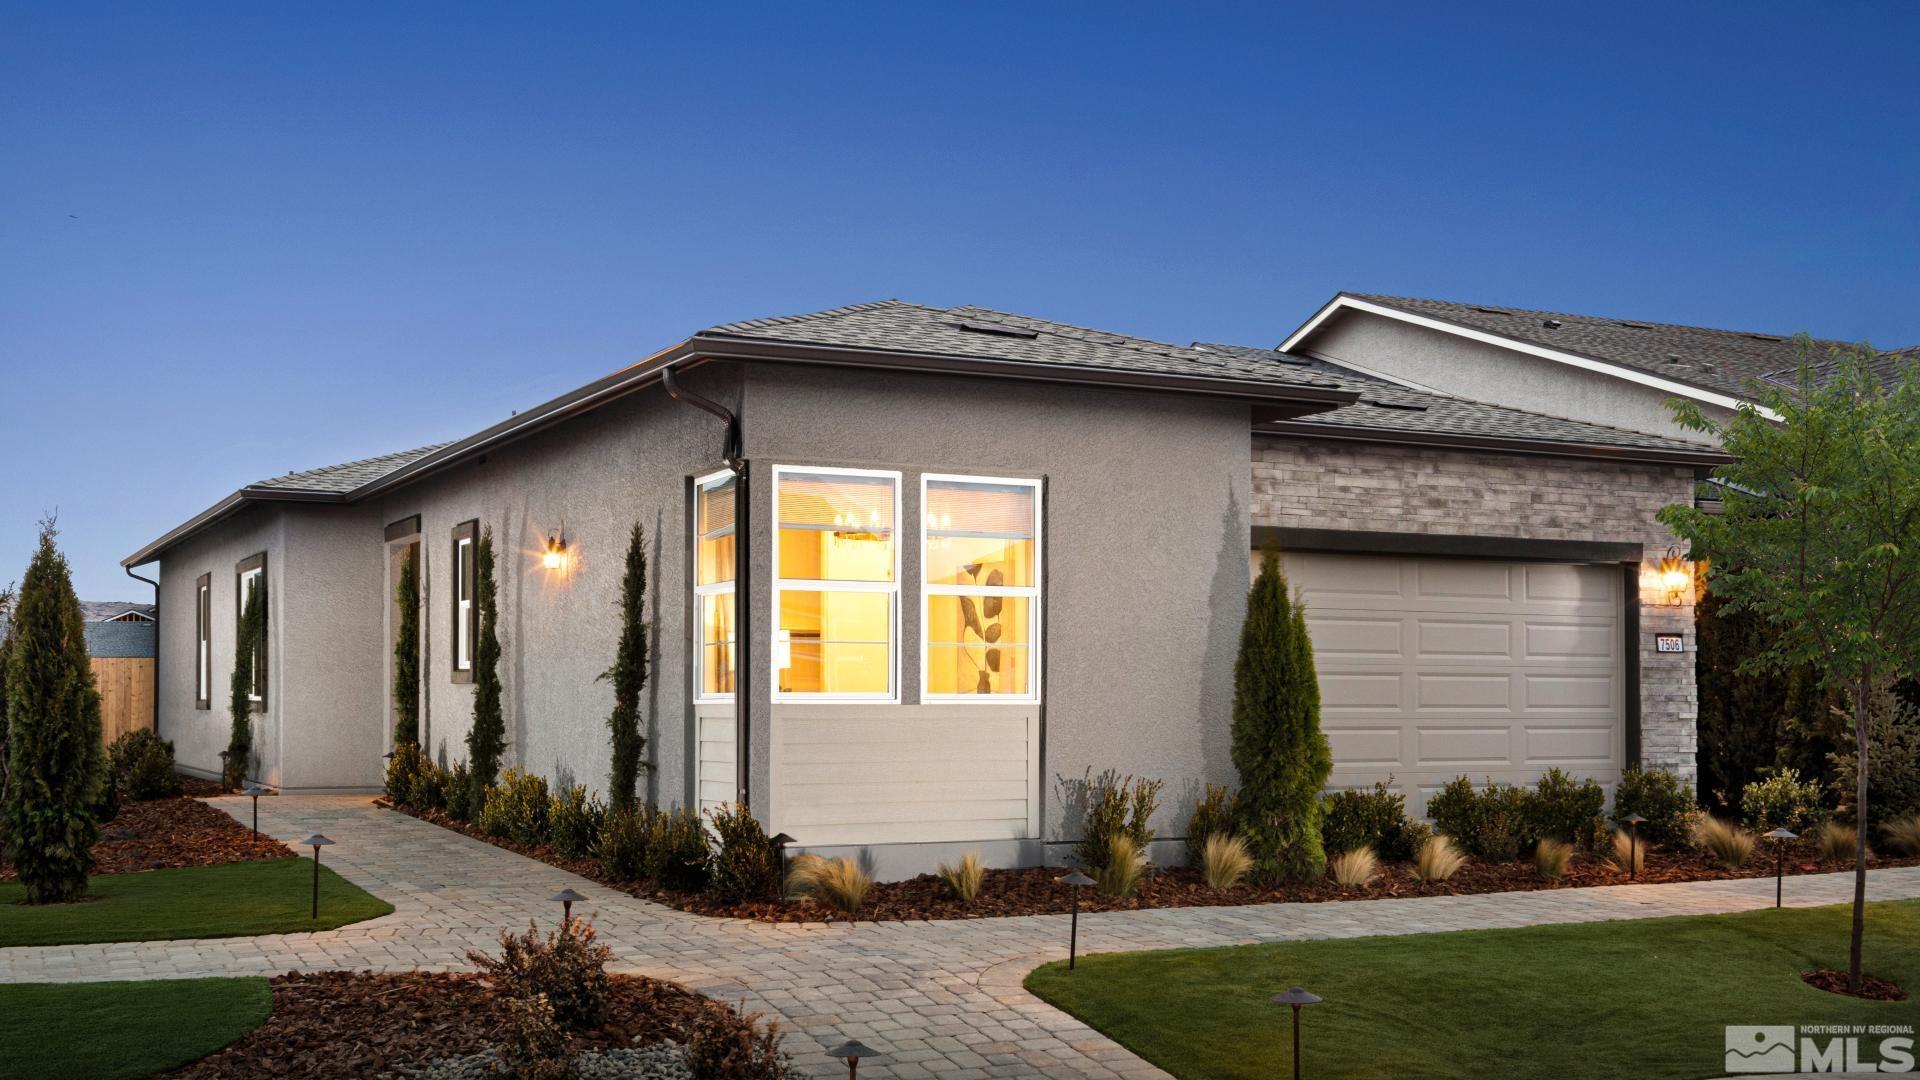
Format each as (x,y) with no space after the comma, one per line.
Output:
(1729,844)
(1893,767)
(1782,801)
(1562,808)
(516,808)
(1628,854)
(141,765)
(1354,819)
(573,821)
(1488,823)
(621,846)
(1837,841)
(1126,864)
(1213,815)
(677,854)
(428,790)
(1225,861)
(1903,836)
(566,965)
(840,883)
(1352,869)
(1112,805)
(536,1046)
(746,866)
(1551,857)
(722,1042)
(1278,749)
(403,765)
(965,878)
(1660,796)
(462,801)
(1437,859)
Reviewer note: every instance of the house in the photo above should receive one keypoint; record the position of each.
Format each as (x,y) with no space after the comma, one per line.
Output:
(979,552)
(120,642)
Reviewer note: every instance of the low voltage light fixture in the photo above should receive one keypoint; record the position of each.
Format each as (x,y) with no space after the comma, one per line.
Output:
(1074,882)
(1633,845)
(851,1052)
(256,790)
(1298,997)
(316,842)
(1780,838)
(566,897)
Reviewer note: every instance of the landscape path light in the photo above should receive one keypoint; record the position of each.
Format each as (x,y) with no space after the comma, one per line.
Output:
(316,842)
(566,897)
(851,1052)
(1075,882)
(1633,845)
(1299,998)
(1780,838)
(256,790)
(780,842)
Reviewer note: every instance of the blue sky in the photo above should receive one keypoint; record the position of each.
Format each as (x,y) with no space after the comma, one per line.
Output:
(238,240)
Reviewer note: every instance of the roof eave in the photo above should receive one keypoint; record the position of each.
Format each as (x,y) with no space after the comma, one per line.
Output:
(1702,458)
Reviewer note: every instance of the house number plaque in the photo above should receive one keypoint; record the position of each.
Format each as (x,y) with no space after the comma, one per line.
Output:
(1669,643)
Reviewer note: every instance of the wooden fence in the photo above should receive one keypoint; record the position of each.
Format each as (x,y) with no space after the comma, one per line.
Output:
(126,694)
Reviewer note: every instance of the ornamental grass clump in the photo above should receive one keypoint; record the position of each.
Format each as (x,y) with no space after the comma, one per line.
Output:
(840,883)
(1438,859)
(1551,857)
(1213,814)
(965,877)
(1729,844)
(1629,854)
(1225,861)
(1837,840)
(1126,864)
(1902,837)
(1354,869)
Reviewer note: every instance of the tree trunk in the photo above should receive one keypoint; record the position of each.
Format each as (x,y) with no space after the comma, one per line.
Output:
(1860,827)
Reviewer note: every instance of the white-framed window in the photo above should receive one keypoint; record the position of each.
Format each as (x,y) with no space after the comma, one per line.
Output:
(203,642)
(713,591)
(465,622)
(980,564)
(836,584)
(249,581)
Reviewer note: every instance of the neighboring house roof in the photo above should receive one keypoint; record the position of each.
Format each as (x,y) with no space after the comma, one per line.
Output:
(120,639)
(105,610)
(1389,412)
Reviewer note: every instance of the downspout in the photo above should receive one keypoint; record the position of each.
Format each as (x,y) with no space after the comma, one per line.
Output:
(742,579)
(156,645)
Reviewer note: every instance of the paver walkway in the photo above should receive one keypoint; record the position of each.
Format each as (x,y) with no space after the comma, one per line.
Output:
(939,998)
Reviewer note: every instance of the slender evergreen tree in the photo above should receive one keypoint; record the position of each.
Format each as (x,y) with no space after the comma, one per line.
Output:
(406,655)
(487,738)
(629,676)
(247,645)
(6,648)
(1281,755)
(53,734)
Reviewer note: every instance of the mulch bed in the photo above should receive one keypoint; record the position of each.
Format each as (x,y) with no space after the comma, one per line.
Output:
(1872,987)
(195,788)
(359,1024)
(161,833)
(1033,891)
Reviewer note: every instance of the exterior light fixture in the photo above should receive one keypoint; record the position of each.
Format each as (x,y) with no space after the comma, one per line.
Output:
(566,897)
(1780,838)
(780,842)
(316,842)
(1676,577)
(556,553)
(1074,881)
(256,790)
(1299,998)
(851,1052)
(1633,845)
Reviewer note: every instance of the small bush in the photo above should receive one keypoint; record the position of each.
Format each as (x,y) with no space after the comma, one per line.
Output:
(1225,861)
(840,883)
(1782,801)
(403,765)
(621,846)
(1562,808)
(1551,857)
(1112,805)
(1729,844)
(140,766)
(1352,869)
(566,965)
(573,822)
(460,793)
(428,788)
(1488,822)
(1903,836)
(677,853)
(536,1046)
(1628,854)
(1437,859)
(1361,818)
(1126,864)
(1837,841)
(516,808)
(1893,747)
(1213,815)
(1658,795)
(721,1041)
(965,878)
(745,867)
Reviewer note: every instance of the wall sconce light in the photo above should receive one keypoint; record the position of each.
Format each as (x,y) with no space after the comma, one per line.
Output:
(1676,577)
(556,554)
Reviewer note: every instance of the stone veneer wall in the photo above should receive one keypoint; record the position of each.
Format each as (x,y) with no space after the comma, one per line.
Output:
(1332,484)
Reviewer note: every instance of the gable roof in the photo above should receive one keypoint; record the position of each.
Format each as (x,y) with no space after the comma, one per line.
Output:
(1389,412)
(104,610)
(345,477)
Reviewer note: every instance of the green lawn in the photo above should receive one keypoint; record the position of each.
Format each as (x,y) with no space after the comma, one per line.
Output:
(123,1029)
(232,900)
(1637,998)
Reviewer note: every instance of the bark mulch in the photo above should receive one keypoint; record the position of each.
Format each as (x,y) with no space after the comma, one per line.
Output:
(1872,987)
(158,834)
(195,788)
(359,1024)
(1033,891)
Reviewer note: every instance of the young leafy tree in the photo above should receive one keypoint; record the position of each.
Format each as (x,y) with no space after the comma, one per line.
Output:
(487,738)
(246,646)
(1820,536)
(1278,749)
(406,655)
(629,676)
(53,734)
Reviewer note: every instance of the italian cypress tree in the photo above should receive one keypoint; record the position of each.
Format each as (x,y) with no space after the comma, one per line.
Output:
(6,649)
(406,655)
(1278,749)
(487,738)
(246,645)
(53,734)
(629,676)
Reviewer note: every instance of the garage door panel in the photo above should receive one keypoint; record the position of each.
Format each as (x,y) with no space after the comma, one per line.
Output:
(1595,586)
(1368,747)
(1370,691)
(1569,747)
(1463,747)
(1442,579)
(1593,640)
(1481,638)
(1435,691)
(1561,692)
(1352,638)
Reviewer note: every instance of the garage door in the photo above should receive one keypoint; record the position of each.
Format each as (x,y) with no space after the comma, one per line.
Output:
(1431,668)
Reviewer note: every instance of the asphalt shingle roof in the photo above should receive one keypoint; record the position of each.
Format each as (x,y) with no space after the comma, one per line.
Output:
(1726,361)
(102,610)
(1388,407)
(109,639)
(347,476)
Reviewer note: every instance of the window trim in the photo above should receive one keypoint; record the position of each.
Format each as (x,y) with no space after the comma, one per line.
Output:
(253,566)
(719,588)
(203,641)
(465,579)
(1035,610)
(890,589)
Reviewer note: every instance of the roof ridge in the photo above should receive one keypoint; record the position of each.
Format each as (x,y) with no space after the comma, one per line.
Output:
(808,316)
(317,470)
(1499,309)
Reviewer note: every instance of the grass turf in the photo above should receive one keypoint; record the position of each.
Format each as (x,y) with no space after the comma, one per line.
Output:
(230,900)
(1638,998)
(123,1029)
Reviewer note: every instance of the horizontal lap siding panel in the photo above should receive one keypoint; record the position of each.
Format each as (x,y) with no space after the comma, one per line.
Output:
(717,764)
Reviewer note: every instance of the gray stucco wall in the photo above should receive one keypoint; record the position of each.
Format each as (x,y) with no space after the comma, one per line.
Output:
(1327,484)
(1472,369)
(331,678)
